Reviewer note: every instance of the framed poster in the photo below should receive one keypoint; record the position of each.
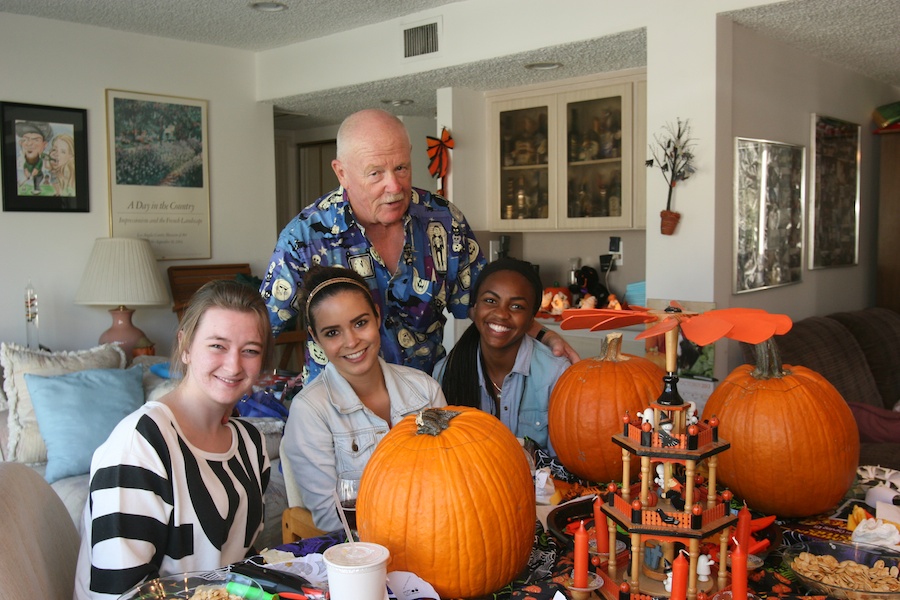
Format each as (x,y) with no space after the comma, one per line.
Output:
(44,158)
(834,194)
(159,172)
(768,214)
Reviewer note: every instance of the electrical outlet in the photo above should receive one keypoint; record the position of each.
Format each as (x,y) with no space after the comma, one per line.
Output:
(494,250)
(619,256)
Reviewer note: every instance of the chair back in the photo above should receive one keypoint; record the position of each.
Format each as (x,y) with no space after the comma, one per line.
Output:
(39,546)
(296,520)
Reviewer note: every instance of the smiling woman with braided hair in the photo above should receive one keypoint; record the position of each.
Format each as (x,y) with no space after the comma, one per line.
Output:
(496,366)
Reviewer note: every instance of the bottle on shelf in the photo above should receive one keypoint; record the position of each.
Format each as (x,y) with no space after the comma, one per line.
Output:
(574,137)
(583,203)
(615,194)
(590,146)
(542,132)
(31,317)
(534,205)
(602,203)
(509,201)
(616,129)
(521,199)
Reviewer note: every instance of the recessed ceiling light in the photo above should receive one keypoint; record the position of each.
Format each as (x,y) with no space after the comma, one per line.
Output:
(543,66)
(400,102)
(268,6)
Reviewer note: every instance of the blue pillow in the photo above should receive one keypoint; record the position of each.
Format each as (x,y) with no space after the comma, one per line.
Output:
(77,411)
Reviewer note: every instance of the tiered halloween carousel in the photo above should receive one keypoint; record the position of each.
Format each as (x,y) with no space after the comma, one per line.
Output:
(673,510)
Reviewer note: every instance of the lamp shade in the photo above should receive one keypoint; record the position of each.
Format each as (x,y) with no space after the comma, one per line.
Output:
(122,271)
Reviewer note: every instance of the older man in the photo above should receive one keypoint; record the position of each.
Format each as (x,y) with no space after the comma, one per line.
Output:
(414,248)
(33,137)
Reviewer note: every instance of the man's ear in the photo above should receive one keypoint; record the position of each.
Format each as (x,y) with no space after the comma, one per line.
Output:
(338,167)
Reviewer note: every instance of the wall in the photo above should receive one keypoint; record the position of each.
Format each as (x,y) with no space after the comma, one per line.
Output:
(72,65)
(774,91)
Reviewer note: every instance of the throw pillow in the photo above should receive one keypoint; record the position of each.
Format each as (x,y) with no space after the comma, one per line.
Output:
(25,442)
(76,412)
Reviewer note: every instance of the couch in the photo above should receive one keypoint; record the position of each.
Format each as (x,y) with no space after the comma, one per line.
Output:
(22,429)
(858,352)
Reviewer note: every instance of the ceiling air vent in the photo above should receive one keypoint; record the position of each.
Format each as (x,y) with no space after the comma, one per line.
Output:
(419,40)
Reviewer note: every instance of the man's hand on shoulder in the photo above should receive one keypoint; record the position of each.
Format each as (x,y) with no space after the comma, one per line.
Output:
(557,343)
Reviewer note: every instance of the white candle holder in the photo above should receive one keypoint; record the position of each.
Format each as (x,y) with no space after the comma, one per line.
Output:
(583,593)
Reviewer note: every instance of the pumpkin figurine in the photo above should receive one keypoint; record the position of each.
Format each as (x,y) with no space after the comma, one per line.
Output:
(587,404)
(450,493)
(794,441)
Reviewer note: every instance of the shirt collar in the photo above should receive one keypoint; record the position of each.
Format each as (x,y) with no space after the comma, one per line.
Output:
(522,366)
(405,398)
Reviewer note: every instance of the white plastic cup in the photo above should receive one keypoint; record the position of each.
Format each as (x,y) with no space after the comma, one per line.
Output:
(357,571)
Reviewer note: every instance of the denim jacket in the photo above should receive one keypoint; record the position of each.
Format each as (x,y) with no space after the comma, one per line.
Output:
(526,390)
(330,431)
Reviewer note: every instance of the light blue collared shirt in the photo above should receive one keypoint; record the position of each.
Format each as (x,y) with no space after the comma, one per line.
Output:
(526,390)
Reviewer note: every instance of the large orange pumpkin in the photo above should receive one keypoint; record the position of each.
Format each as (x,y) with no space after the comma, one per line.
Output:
(794,442)
(452,498)
(588,403)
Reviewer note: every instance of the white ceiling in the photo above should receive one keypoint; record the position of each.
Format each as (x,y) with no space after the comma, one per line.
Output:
(861,35)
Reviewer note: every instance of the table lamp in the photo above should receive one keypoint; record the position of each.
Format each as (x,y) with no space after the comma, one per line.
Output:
(122,271)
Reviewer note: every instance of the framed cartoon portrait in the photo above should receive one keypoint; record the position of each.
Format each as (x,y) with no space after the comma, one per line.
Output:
(834,194)
(159,172)
(44,158)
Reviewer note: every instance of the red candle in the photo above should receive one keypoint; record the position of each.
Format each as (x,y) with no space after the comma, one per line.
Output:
(579,576)
(601,531)
(738,572)
(679,578)
(742,532)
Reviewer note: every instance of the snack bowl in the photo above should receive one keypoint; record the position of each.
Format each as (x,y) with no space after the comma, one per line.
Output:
(198,585)
(825,570)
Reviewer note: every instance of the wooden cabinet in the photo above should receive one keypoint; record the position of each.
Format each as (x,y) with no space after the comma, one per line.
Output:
(888,295)
(562,157)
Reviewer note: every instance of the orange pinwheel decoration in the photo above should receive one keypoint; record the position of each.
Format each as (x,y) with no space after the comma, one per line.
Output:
(439,156)
(750,325)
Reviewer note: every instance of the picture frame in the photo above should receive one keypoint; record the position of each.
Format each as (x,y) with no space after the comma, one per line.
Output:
(769,198)
(834,193)
(158,149)
(44,158)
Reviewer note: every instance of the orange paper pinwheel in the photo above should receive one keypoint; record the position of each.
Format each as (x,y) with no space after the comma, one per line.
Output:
(750,325)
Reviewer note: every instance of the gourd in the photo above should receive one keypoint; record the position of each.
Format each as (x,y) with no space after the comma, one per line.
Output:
(452,498)
(794,442)
(587,406)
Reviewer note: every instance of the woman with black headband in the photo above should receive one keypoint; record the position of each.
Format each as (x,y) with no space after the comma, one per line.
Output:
(495,366)
(339,417)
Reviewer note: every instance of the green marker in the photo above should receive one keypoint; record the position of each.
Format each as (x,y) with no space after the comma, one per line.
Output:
(249,593)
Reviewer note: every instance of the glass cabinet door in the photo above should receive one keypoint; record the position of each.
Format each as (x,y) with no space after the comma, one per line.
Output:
(522,151)
(524,163)
(598,137)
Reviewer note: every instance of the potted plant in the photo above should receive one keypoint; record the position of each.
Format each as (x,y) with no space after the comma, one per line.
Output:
(673,153)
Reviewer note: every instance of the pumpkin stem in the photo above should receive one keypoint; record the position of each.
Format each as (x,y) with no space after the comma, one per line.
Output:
(768,361)
(614,348)
(433,421)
